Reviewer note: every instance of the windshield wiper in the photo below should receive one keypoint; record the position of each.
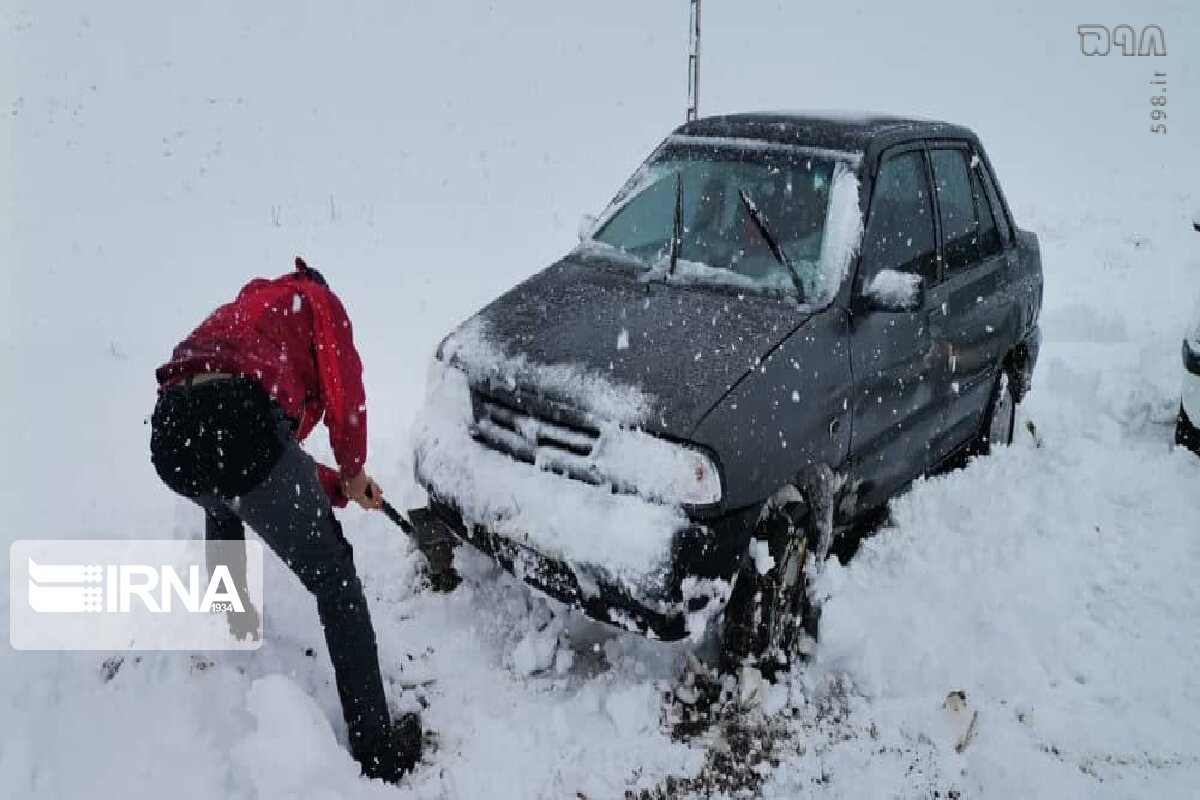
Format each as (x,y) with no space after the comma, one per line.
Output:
(760,222)
(677,225)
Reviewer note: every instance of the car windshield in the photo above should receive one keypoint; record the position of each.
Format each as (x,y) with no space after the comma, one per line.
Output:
(720,243)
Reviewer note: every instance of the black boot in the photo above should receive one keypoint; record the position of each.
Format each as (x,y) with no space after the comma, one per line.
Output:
(391,760)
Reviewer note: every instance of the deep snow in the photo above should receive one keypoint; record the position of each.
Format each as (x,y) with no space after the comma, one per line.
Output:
(427,158)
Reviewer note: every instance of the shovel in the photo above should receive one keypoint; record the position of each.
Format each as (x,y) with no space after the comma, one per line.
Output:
(432,540)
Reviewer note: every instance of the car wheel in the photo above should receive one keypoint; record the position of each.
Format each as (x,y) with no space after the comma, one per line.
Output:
(999,418)
(769,611)
(1186,433)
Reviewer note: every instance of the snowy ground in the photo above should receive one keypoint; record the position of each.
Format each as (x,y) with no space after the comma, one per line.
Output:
(153,169)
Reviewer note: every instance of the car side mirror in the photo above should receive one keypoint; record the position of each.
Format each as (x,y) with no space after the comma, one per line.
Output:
(892,290)
(587,226)
(1196,221)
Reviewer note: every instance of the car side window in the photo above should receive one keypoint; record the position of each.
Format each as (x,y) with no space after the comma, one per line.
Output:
(899,233)
(960,227)
(989,234)
(993,198)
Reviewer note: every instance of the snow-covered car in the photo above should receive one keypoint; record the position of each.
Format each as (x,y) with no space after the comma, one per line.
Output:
(1187,428)
(779,323)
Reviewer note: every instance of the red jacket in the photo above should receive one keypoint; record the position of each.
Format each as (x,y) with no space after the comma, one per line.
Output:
(292,335)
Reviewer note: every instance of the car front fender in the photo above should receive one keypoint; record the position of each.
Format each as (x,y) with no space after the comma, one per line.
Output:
(1024,360)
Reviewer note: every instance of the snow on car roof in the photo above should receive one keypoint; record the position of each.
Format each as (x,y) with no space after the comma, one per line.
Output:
(853,157)
(845,116)
(835,130)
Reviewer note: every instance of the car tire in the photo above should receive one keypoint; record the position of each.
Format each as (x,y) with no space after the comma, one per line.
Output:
(769,611)
(999,418)
(1186,433)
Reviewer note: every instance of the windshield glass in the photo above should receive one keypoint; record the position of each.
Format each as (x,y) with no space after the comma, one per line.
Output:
(719,241)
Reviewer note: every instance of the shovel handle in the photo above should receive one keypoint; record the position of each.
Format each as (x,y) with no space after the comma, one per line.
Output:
(396,517)
(391,513)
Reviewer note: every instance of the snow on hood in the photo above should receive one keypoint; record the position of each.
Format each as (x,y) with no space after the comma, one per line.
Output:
(596,533)
(650,355)
(472,348)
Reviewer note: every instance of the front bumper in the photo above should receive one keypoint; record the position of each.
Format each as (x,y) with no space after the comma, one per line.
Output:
(621,558)
(708,551)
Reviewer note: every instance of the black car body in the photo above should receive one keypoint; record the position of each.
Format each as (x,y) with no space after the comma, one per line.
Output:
(766,373)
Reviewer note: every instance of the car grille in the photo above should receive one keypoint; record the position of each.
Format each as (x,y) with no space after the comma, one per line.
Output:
(552,446)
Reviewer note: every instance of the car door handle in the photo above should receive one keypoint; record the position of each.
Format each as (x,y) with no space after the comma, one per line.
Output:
(835,425)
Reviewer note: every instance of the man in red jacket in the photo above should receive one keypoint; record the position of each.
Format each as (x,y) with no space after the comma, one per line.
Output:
(235,399)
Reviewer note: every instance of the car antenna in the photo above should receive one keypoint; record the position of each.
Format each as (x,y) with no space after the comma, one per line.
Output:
(760,222)
(693,109)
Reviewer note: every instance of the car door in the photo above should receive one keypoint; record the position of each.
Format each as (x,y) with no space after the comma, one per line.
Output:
(894,414)
(969,306)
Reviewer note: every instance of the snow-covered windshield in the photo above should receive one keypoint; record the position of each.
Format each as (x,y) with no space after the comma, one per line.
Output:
(719,241)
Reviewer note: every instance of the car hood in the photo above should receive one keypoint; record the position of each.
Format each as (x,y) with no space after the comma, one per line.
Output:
(591,336)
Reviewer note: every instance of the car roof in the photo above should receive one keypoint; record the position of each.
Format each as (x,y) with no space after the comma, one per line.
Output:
(849,131)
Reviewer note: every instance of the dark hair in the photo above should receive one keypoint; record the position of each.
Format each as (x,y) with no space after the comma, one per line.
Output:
(304,269)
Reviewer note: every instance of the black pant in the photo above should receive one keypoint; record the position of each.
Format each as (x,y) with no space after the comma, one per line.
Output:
(290,511)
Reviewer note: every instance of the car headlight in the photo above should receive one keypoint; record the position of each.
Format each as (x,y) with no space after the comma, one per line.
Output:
(448,391)
(658,469)
(698,482)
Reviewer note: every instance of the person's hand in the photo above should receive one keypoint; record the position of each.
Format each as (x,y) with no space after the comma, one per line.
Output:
(363,490)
